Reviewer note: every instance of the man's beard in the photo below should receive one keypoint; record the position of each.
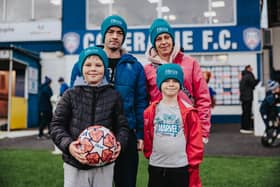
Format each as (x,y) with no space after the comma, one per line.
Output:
(114,49)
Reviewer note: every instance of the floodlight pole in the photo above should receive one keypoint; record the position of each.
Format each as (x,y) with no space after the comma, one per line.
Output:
(159,11)
(111,8)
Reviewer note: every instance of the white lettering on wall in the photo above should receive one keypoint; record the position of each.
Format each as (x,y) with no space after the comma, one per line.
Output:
(207,37)
(128,42)
(224,41)
(139,42)
(88,40)
(187,40)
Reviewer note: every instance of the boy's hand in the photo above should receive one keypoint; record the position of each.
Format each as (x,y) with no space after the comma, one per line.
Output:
(77,153)
(117,152)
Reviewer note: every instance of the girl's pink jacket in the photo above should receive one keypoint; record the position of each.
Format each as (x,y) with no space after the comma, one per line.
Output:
(193,81)
(192,132)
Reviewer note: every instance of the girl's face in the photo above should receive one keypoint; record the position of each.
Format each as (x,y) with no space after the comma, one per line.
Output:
(170,87)
(93,70)
(164,45)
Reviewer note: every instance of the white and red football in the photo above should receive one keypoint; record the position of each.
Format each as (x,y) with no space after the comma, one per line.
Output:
(99,143)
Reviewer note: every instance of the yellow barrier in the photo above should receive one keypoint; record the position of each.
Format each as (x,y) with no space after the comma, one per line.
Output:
(18,113)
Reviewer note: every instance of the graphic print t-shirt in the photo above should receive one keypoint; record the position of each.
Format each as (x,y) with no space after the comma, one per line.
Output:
(169,146)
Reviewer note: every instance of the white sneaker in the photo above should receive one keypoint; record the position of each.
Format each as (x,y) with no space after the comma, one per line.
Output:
(243,131)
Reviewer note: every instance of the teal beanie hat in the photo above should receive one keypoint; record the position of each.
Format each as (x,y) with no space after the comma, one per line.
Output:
(169,71)
(113,21)
(158,27)
(92,51)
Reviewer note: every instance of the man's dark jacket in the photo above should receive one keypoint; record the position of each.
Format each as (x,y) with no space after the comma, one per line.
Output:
(247,85)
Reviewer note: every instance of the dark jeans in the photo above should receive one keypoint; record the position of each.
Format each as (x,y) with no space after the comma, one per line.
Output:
(126,165)
(44,120)
(168,177)
(246,120)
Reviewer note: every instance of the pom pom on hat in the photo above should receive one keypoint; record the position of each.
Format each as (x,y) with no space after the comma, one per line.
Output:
(111,21)
(89,52)
(169,71)
(158,27)
(271,85)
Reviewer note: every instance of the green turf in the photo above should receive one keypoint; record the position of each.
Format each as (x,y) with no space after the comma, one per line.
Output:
(21,168)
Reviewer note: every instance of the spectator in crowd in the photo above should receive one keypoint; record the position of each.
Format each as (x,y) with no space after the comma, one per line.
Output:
(91,101)
(194,90)
(207,76)
(268,107)
(172,134)
(45,107)
(246,86)
(63,86)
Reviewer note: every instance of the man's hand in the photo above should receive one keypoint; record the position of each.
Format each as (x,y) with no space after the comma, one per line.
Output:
(140,145)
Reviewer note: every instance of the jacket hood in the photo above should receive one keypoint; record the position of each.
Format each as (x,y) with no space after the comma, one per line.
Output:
(81,82)
(153,56)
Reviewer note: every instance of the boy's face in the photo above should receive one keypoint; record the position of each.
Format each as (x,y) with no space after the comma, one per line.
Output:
(113,38)
(93,70)
(164,45)
(170,87)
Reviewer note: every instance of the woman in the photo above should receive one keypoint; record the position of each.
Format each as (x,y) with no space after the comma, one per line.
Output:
(195,90)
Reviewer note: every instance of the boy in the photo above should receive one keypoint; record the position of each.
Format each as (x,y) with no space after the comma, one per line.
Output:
(94,101)
(172,134)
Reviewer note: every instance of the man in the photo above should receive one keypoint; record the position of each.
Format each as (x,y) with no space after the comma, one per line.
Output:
(63,86)
(128,77)
(246,87)
(45,107)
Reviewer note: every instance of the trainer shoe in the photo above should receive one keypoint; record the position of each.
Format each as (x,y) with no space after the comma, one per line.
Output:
(244,131)
(41,137)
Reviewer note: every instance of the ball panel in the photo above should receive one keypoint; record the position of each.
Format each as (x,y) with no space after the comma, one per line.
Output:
(96,134)
(86,145)
(109,140)
(93,158)
(106,155)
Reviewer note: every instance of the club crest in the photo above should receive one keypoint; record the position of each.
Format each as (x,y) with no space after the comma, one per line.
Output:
(71,42)
(251,38)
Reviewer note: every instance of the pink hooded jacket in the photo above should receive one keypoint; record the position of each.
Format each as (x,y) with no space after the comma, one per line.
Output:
(194,82)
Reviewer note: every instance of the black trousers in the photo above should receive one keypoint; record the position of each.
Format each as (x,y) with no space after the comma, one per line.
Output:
(44,120)
(168,177)
(126,165)
(246,120)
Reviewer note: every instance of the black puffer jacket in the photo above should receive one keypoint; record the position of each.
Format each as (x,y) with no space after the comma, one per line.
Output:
(247,85)
(83,106)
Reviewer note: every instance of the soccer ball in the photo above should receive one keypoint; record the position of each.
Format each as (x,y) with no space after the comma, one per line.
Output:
(99,143)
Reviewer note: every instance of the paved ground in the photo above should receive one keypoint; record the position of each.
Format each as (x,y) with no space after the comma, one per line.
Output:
(225,140)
